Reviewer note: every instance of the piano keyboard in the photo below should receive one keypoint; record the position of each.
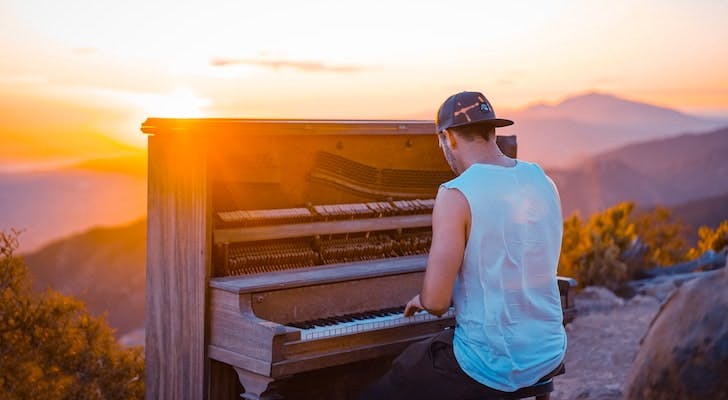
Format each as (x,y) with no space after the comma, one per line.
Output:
(362,322)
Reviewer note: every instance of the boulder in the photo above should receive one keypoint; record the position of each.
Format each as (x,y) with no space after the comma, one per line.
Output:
(684,354)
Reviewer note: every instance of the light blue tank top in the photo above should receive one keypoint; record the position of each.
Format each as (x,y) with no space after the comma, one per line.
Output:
(509,330)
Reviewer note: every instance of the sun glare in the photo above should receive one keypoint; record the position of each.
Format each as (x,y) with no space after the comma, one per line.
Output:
(181,103)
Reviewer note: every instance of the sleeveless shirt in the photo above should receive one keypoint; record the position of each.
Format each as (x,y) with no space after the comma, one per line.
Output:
(509,330)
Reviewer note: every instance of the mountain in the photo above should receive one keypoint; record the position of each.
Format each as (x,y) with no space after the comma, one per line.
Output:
(668,172)
(131,164)
(566,133)
(56,203)
(103,267)
(708,212)
(607,109)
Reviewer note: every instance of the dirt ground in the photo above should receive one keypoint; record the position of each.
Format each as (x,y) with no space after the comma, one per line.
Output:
(602,343)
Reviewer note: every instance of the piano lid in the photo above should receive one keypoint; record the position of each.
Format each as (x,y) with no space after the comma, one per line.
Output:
(154,126)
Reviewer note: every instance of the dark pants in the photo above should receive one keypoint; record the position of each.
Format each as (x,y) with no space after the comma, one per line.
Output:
(428,370)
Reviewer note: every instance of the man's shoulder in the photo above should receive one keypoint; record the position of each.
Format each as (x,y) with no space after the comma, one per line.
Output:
(530,164)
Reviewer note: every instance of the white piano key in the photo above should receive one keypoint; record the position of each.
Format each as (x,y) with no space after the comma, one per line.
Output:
(370,324)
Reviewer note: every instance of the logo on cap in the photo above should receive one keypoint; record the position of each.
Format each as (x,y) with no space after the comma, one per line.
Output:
(484,107)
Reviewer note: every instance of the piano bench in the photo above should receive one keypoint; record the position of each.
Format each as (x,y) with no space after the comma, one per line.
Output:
(540,391)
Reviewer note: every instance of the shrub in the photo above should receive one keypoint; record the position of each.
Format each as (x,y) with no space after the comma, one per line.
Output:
(615,246)
(663,236)
(710,239)
(52,348)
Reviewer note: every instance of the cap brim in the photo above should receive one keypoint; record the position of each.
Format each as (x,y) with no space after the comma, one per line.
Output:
(499,122)
(495,122)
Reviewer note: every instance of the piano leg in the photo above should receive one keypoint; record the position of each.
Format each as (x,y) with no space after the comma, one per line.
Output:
(256,386)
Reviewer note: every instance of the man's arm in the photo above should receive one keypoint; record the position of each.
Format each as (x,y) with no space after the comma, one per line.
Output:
(450,228)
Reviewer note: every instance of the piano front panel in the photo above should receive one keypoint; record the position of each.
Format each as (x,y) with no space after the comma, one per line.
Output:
(334,299)
(234,327)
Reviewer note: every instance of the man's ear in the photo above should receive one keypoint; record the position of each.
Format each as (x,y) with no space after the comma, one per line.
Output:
(451,138)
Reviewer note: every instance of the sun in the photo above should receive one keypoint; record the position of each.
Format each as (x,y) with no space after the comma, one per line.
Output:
(181,103)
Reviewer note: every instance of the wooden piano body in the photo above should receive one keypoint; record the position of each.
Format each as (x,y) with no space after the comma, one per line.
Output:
(277,247)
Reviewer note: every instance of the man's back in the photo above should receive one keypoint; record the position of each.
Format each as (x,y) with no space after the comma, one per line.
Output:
(509,331)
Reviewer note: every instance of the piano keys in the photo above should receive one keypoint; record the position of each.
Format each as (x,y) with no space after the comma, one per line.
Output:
(351,324)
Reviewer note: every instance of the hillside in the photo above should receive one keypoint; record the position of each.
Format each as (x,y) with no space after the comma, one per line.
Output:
(131,164)
(668,171)
(104,267)
(708,212)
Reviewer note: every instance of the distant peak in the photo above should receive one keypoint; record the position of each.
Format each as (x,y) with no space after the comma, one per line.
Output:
(594,96)
(591,97)
(602,108)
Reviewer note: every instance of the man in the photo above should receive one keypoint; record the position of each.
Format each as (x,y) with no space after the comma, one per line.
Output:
(496,239)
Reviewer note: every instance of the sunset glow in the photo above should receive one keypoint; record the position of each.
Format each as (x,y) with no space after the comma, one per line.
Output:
(106,66)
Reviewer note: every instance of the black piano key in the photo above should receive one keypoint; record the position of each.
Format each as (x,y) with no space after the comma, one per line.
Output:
(354,317)
(359,316)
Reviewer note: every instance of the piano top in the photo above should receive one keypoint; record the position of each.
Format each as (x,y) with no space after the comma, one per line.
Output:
(320,274)
(154,126)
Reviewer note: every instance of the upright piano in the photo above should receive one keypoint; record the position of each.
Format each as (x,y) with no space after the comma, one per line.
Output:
(280,247)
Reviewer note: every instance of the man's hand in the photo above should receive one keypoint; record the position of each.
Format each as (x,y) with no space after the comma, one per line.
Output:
(413,306)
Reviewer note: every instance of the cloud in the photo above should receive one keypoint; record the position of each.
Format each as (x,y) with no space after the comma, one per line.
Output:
(307,66)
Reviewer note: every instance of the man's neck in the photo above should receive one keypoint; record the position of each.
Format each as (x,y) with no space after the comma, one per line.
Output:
(482,152)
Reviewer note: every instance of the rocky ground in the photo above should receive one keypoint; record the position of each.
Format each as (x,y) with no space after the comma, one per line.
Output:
(603,341)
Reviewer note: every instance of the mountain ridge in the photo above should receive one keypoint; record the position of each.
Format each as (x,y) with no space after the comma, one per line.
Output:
(568,132)
(667,171)
(602,107)
(103,266)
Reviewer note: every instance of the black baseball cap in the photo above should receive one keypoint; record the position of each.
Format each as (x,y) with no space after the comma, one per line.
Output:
(467,108)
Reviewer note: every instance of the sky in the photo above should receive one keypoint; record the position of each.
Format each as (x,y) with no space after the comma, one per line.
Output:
(102,67)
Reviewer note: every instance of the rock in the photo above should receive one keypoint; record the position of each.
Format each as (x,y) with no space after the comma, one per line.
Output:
(707,261)
(684,354)
(660,287)
(596,298)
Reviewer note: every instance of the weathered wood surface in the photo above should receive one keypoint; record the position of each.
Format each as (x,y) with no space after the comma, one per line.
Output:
(321,274)
(178,260)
